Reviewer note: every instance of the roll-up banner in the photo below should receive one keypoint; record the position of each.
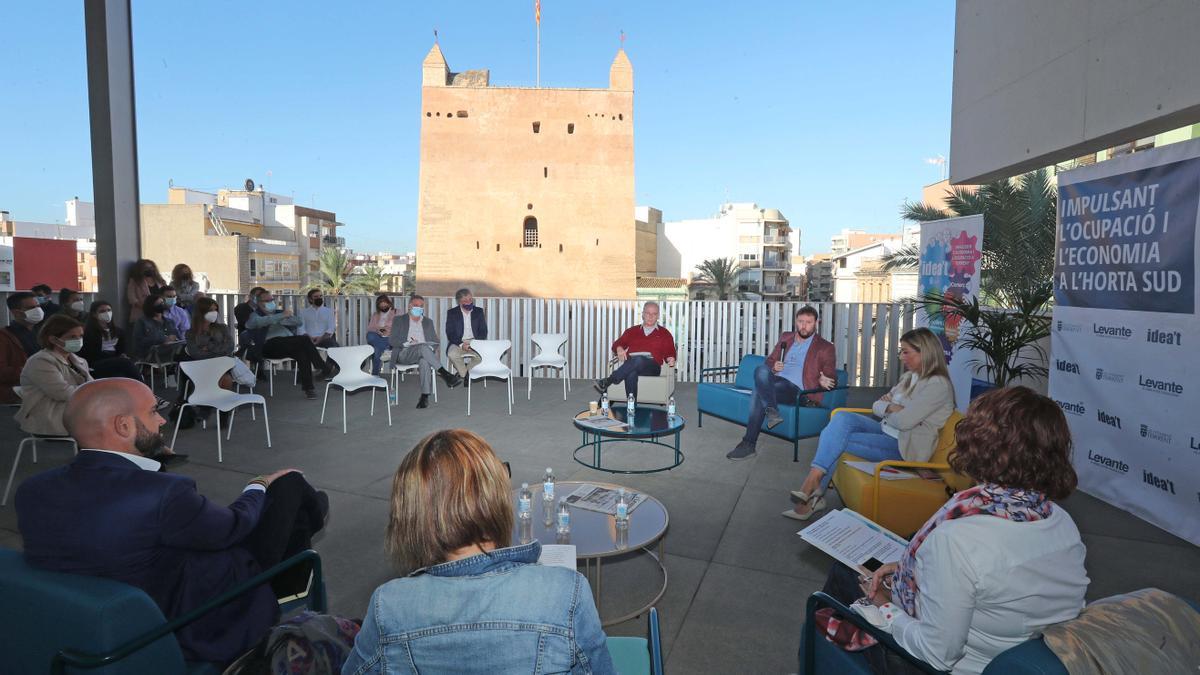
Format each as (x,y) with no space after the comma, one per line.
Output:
(1124,363)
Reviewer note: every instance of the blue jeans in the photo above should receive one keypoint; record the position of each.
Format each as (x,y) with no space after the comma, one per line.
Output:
(628,372)
(859,434)
(381,345)
(769,390)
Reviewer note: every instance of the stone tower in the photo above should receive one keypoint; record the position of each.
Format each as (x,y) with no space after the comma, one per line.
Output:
(525,191)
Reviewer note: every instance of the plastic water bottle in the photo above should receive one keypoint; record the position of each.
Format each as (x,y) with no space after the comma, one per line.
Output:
(393,397)
(525,503)
(564,517)
(622,510)
(525,530)
(671,407)
(604,403)
(630,405)
(548,485)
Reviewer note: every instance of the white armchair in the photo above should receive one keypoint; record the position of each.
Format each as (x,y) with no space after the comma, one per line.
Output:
(651,388)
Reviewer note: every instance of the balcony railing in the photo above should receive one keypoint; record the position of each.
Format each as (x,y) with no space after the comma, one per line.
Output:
(775,240)
(708,333)
(776,262)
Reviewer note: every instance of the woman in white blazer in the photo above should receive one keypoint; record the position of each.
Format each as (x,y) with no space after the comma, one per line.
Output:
(905,426)
(51,375)
(1000,561)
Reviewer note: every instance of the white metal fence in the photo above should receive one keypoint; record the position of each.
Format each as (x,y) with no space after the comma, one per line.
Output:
(708,333)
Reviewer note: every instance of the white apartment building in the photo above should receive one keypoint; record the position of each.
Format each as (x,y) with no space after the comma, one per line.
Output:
(858,275)
(758,238)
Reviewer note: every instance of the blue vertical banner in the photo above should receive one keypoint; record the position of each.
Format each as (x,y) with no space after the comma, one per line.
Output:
(949,264)
(1123,363)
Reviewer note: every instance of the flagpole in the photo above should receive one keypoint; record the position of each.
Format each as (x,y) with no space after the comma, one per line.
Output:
(539,53)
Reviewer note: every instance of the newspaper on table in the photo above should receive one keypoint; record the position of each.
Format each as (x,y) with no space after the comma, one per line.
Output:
(602,499)
(853,540)
(603,422)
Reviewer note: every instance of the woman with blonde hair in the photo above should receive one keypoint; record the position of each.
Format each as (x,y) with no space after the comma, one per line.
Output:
(467,601)
(905,424)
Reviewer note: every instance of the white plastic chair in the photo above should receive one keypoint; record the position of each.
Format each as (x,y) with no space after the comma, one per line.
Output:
(548,356)
(155,361)
(490,352)
(205,375)
(277,364)
(33,441)
(352,378)
(398,371)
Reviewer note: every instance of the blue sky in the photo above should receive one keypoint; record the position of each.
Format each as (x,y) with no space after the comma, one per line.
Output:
(826,111)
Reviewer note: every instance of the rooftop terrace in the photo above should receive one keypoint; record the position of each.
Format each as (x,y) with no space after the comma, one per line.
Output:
(738,574)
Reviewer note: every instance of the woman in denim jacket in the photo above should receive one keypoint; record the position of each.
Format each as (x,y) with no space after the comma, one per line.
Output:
(468,604)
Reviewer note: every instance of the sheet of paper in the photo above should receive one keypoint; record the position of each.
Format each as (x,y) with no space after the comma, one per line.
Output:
(852,539)
(888,473)
(558,555)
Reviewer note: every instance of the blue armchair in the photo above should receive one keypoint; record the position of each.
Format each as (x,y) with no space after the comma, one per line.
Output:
(73,623)
(731,402)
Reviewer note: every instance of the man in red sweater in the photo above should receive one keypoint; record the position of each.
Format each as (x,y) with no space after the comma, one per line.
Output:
(641,350)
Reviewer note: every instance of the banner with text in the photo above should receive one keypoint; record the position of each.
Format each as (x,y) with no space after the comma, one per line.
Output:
(949,264)
(1125,292)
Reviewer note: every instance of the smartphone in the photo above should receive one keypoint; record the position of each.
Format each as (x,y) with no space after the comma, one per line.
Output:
(872,564)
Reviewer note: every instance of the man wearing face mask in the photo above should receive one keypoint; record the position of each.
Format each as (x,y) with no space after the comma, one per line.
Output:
(178,315)
(113,513)
(45,299)
(319,324)
(18,341)
(71,303)
(275,329)
(464,322)
(415,340)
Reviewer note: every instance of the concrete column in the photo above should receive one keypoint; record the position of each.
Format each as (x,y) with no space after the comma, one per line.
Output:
(108,30)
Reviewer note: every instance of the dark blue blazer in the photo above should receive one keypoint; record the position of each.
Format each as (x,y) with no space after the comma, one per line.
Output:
(454,325)
(103,515)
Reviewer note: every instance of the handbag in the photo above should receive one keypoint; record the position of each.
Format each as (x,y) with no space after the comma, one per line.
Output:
(843,633)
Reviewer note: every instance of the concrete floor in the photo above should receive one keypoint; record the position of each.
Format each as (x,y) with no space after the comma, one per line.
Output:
(739,575)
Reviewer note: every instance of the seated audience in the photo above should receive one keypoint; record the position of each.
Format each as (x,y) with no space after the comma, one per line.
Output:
(178,315)
(379,328)
(186,288)
(415,340)
(801,361)
(275,329)
(318,322)
(45,298)
(208,337)
(144,281)
(244,310)
(71,303)
(51,375)
(1000,561)
(113,513)
(468,601)
(464,322)
(641,350)
(104,344)
(155,335)
(906,424)
(18,341)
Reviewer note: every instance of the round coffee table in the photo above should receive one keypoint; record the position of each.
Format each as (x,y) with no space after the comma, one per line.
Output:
(595,536)
(649,424)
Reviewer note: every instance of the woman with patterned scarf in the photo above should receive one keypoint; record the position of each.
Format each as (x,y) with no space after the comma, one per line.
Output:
(997,563)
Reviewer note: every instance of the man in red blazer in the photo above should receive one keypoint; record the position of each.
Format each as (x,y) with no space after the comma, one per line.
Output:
(631,348)
(802,361)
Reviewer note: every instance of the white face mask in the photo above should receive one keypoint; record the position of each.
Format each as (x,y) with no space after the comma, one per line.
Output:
(34,315)
(106,317)
(212,317)
(77,305)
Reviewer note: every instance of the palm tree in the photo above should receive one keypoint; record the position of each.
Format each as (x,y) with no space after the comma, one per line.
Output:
(721,274)
(370,280)
(335,275)
(1018,233)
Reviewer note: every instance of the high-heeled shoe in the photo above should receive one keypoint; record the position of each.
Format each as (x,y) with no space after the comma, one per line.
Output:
(817,504)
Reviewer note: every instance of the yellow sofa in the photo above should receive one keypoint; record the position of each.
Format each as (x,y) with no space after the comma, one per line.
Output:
(901,506)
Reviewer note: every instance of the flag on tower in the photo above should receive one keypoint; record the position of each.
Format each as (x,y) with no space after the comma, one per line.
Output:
(537,11)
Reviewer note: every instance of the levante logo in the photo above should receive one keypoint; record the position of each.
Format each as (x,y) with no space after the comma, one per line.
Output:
(1164,337)
(1168,387)
(1072,408)
(1114,332)
(1114,465)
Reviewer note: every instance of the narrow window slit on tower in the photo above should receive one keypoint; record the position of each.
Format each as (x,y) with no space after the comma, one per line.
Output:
(545,172)
(461,113)
(537,127)
(571,128)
